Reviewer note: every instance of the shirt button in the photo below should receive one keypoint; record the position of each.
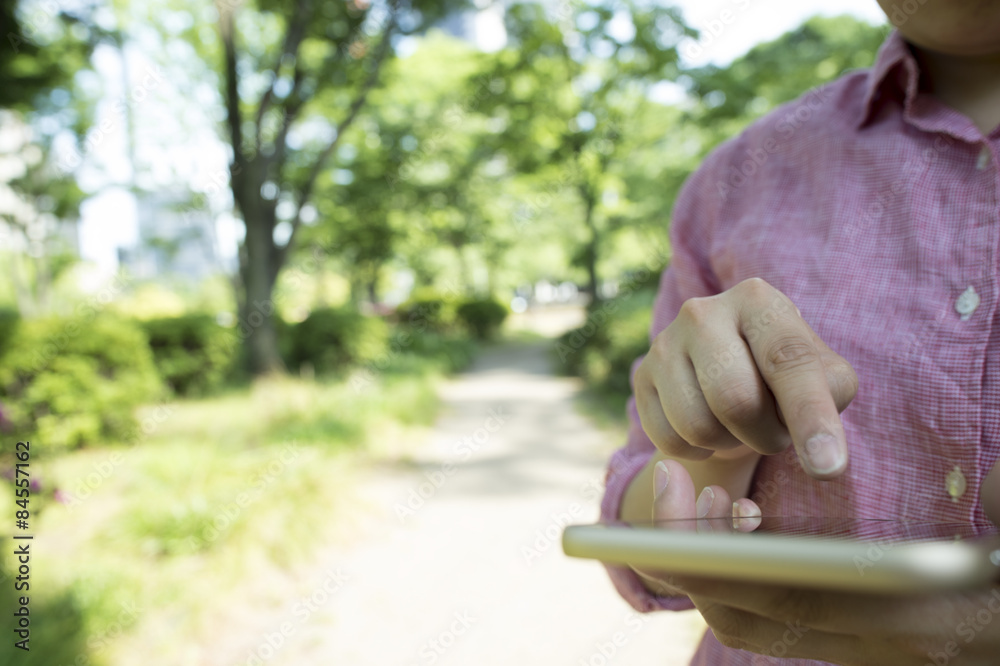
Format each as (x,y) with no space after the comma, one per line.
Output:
(967,303)
(955,483)
(984,158)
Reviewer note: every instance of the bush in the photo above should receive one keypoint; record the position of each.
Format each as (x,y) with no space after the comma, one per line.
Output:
(10,319)
(451,352)
(71,382)
(483,317)
(335,338)
(603,349)
(430,310)
(193,353)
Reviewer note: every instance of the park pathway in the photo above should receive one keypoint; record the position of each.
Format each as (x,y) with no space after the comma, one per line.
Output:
(461,563)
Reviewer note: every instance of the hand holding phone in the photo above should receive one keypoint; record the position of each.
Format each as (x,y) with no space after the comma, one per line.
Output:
(857,626)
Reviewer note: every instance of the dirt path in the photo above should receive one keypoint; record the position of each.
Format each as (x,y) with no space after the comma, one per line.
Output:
(462,564)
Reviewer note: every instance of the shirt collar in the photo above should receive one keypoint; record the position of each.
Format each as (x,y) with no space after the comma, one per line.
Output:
(895,72)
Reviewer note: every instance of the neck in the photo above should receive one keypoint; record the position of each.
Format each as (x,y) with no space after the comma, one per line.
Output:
(970,84)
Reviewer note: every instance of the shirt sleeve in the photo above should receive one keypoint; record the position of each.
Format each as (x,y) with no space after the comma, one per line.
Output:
(688,276)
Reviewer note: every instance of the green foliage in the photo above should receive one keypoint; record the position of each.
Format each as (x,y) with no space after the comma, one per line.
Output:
(42,52)
(193,353)
(450,352)
(818,51)
(10,319)
(333,339)
(430,310)
(71,382)
(615,334)
(483,317)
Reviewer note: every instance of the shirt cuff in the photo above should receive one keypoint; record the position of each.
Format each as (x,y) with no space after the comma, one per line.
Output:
(621,470)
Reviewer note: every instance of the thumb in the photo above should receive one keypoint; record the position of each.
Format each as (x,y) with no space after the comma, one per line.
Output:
(989,494)
(673,493)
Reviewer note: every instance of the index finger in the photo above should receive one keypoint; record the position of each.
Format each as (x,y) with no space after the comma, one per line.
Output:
(786,353)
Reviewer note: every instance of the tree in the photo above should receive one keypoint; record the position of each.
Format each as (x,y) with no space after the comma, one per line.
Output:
(399,187)
(288,106)
(44,48)
(818,51)
(576,81)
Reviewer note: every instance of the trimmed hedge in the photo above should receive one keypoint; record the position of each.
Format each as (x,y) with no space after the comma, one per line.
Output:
(333,339)
(451,352)
(193,353)
(483,317)
(71,382)
(428,310)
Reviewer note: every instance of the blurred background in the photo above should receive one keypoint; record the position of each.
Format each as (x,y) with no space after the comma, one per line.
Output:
(318,314)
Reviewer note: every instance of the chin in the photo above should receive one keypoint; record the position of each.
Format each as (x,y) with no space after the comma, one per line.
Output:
(953,27)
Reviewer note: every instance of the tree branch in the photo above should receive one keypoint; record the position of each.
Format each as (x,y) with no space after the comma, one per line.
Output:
(293,39)
(232,94)
(352,113)
(291,112)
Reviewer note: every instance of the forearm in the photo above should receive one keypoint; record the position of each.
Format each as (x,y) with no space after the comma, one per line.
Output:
(733,475)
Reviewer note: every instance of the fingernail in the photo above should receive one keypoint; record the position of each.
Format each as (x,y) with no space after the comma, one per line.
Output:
(704,503)
(823,454)
(740,512)
(661,477)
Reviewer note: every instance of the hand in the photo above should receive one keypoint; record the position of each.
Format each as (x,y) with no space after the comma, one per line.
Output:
(741,374)
(957,629)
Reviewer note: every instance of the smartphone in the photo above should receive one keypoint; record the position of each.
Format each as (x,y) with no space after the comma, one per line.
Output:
(877,556)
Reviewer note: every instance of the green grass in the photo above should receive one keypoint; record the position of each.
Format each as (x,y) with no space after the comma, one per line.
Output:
(223,495)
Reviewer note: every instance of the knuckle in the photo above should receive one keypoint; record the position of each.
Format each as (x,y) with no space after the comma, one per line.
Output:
(677,448)
(702,430)
(788,353)
(756,289)
(730,628)
(696,311)
(737,401)
(663,345)
(843,382)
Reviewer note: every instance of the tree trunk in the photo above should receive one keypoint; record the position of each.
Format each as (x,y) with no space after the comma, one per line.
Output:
(258,273)
(590,250)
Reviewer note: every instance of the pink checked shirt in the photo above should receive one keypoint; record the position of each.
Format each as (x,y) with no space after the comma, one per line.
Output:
(876,209)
